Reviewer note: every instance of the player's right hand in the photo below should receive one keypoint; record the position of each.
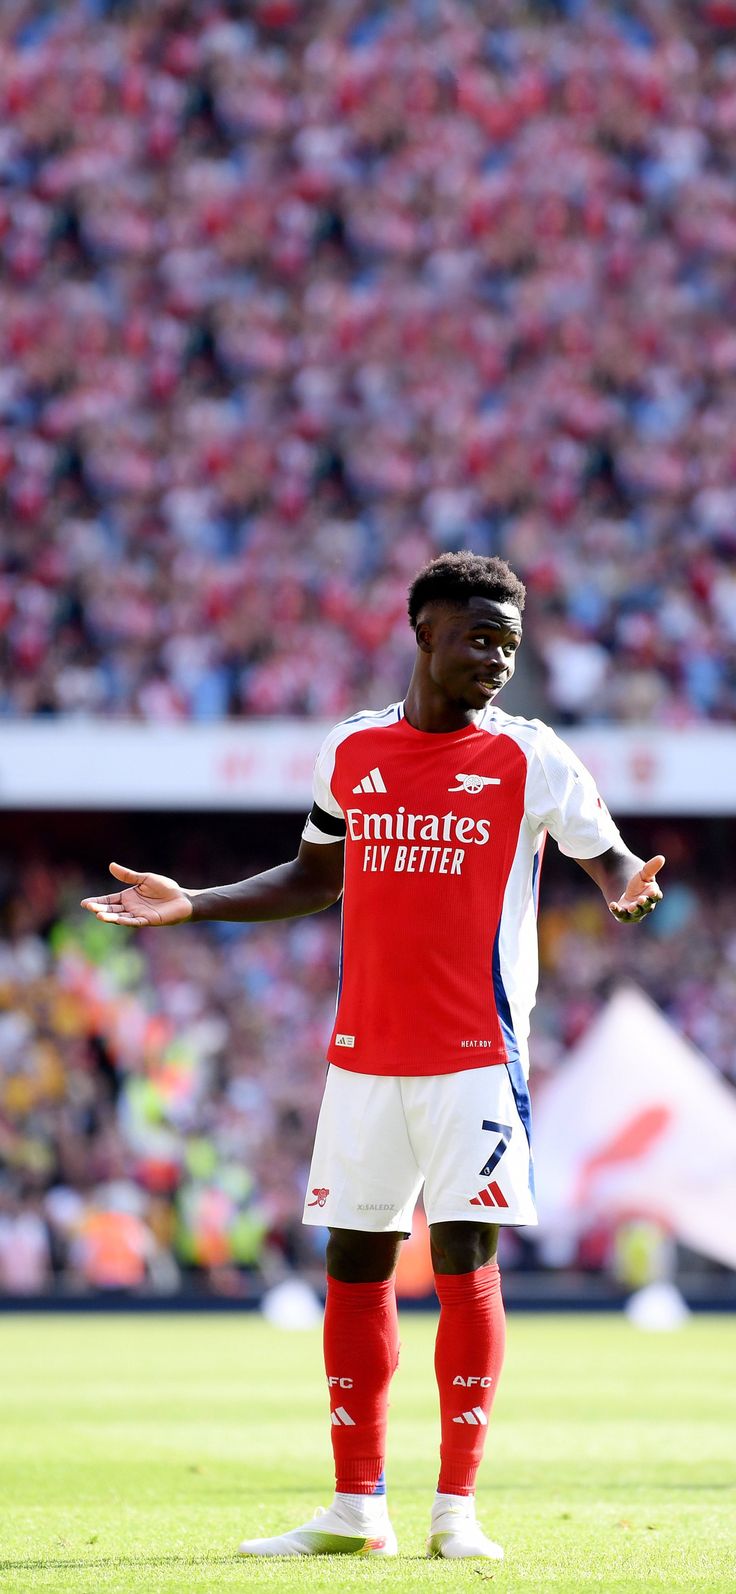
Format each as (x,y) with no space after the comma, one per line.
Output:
(150,899)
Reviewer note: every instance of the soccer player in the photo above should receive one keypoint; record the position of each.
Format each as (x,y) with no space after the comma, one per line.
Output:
(431,817)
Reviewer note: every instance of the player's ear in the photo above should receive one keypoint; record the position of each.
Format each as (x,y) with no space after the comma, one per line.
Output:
(424,635)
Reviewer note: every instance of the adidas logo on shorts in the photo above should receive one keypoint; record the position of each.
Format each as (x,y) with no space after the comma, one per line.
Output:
(490,1196)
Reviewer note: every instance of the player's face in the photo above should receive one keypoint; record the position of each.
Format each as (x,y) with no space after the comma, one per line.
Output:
(472,651)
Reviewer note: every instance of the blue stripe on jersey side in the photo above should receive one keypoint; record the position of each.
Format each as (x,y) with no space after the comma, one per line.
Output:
(535,879)
(514,1069)
(340,960)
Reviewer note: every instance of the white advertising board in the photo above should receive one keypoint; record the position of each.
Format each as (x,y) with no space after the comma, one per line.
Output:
(267,764)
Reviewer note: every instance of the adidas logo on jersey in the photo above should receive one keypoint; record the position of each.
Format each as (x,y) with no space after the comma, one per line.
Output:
(475,1418)
(373,781)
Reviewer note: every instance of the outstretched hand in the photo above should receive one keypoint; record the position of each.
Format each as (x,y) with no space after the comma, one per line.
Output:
(150,899)
(641,895)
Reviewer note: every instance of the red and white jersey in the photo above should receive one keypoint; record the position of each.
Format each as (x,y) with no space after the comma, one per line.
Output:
(444,836)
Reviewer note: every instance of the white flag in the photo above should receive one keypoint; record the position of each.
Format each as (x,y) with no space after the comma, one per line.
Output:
(638,1124)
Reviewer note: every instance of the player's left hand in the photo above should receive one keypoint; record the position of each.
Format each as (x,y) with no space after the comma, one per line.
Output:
(641,895)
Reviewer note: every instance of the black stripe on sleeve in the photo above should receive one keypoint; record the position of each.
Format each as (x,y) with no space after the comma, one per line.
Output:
(327,822)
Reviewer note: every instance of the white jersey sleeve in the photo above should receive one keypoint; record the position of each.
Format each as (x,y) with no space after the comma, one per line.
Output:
(326,820)
(562,797)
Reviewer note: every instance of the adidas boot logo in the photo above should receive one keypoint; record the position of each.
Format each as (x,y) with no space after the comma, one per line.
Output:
(476,1418)
(340,1418)
(373,781)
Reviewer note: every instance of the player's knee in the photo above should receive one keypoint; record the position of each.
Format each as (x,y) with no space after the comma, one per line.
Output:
(462,1247)
(354,1257)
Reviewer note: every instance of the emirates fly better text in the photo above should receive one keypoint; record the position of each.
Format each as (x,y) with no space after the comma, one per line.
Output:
(404,843)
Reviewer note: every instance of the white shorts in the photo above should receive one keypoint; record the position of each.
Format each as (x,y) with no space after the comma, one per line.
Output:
(380,1137)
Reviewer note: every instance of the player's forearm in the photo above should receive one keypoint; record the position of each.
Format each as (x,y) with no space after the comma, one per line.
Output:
(286,892)
(612,870)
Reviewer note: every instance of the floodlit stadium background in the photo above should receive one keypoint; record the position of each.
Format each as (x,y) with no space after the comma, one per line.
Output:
(292,298)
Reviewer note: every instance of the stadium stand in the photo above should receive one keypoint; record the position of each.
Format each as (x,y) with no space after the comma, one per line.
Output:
(293,297)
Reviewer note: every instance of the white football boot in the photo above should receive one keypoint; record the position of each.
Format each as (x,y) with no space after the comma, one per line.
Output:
(334,1530)
(454,1533)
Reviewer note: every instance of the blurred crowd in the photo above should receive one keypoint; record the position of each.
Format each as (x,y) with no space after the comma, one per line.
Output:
(294,296)
(157,1095)
(158,1091)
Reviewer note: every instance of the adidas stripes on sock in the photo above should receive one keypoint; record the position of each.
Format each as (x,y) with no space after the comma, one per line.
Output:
(361,1347)
(469,1350)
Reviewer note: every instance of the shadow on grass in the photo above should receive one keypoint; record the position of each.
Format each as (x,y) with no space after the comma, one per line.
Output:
(691,1488)
(94,1563)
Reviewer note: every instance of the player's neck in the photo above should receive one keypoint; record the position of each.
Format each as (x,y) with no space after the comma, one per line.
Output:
(428,709)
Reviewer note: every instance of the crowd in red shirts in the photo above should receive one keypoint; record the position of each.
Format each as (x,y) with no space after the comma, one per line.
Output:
(292,297)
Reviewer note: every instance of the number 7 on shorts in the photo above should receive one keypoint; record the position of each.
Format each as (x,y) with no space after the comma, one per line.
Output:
(504,1132)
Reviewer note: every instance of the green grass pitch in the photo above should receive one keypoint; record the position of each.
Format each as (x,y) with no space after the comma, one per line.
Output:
(137,1451)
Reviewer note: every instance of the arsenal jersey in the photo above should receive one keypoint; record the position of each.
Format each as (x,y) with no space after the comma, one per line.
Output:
(444,835)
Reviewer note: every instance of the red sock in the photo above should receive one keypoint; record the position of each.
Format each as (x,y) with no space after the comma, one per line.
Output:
(361,1344)
(468,1358)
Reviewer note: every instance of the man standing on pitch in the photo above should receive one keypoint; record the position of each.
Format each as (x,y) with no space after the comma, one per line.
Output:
(432,816)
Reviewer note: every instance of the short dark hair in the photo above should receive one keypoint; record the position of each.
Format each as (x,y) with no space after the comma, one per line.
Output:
(455,578)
